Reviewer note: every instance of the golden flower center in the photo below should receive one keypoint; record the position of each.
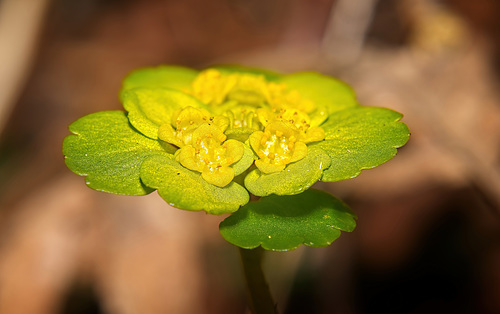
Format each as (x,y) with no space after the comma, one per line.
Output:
(215,88)
(211,155)
(243,117)
(295,119)
(276,147)
(184,122)
(273,118)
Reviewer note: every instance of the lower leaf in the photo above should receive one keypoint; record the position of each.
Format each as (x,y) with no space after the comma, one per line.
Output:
(281,223)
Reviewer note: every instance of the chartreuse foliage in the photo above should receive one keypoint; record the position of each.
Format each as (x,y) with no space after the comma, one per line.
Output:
(208,139)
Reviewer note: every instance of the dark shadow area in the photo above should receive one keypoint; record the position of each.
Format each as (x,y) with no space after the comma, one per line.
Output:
(81,298)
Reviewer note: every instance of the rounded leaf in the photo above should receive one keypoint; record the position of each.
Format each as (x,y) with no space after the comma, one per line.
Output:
(149,108)
(324,91)
(175,77)
(186,189)
(295,178)
(361,138)
(108,151)
(282,223)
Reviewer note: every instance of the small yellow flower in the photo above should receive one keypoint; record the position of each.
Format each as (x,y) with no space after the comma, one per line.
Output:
(281,96)
(276,147)
(248,89)
(214,88)
(210,154)
(274,118)
(179,131)
(294,118)
(211,87)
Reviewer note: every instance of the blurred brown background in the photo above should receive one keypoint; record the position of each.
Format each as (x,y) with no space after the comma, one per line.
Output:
(428,235)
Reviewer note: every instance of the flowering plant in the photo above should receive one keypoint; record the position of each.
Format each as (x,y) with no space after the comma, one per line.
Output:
(208,139)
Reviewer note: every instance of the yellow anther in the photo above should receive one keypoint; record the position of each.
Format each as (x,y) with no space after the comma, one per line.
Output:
(222,138)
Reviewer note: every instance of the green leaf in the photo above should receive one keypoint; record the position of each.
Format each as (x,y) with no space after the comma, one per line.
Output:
(245,162)
(186,189)
(174,77)
(323,90)
(149,108)
(295,178)
(282,223)
(108,151)
(361,138)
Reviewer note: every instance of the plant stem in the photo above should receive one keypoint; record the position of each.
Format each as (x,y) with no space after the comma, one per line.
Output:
(261,301)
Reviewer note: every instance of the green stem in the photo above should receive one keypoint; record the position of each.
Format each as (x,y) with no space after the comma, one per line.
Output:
(261,301)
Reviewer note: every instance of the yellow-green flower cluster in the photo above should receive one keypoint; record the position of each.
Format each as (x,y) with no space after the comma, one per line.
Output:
(273,118)
(207,139)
